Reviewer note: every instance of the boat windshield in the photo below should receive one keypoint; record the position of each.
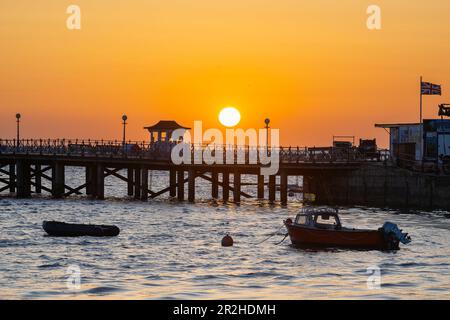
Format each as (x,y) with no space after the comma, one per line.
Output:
(320,217)
(327,221)
(301,219)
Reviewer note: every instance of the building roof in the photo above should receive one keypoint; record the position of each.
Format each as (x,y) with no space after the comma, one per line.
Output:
(395,125)
(165,125)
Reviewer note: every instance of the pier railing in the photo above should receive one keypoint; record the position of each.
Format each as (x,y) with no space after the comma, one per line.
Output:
(161,151)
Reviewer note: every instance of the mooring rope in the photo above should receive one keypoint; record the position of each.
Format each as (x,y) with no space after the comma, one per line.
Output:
(271,235)
(285,236)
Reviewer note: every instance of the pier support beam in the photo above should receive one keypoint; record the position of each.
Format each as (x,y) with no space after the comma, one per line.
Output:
(272,187)
(91,180)
(130,183)
(12,178)
(283,188)
(260,187)
(180,187)
(100,189)
(191,185)
(225,186)
(58,180)
(144,184)
(237,187)
(23,179)
(137,183)
(173,183)
(38,178)
(214,185)
(88,179)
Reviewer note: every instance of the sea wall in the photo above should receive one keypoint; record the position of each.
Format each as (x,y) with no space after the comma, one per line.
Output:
(382,185)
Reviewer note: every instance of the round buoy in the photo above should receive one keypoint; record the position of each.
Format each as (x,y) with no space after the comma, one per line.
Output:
(227,241)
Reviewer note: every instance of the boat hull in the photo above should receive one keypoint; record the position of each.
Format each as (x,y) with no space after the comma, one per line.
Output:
(62,229)
(303,236)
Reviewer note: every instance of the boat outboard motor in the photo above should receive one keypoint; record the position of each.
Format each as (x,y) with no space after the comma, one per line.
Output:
(391,228)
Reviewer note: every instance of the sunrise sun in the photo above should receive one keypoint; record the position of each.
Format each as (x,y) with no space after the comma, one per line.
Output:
(229,116)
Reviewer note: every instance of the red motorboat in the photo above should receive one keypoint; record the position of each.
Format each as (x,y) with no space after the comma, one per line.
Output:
(321,227)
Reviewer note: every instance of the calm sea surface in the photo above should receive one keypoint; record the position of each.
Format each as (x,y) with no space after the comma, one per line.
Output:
(170,250)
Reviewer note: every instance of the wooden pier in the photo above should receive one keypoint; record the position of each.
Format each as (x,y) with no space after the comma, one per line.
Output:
(25,164)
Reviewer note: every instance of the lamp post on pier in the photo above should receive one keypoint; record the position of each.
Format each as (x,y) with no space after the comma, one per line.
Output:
(267,121)
(18,128)
(124,118)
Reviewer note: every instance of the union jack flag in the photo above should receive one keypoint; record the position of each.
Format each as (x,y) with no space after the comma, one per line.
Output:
(430,88)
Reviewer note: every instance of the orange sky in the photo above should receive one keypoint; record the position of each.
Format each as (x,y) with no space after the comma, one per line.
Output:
(311,66)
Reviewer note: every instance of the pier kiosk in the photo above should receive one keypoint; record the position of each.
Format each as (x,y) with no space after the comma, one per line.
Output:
(162,131)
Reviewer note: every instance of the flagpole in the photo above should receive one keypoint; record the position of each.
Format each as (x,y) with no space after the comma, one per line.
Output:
(422,147)
(420,99)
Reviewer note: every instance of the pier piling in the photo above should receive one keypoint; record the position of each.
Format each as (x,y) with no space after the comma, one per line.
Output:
(38,178)
(137,183)
(144,181)
(180,185)
(130,182)
(214,185)
(23,180)
(272,188)
(237,187)
(100,190)
(88,180)
(58,180)
(260,187)
(283,188)
(225,186)
(172,183)
(12,178)
(191,185)
(93,180)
